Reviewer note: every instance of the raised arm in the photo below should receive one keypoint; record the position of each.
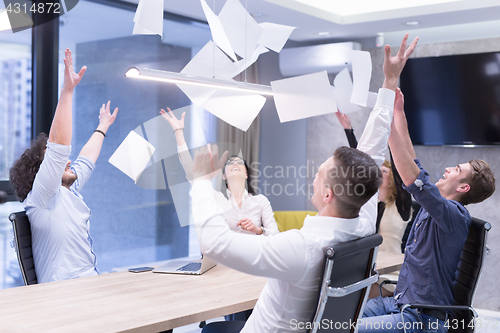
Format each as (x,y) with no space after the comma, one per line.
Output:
(374,139)
(182,148)
(49,177)
(402,150)
(349,131)
(401,124)
(177,125)
(92,148)
(264,256)
(61,129)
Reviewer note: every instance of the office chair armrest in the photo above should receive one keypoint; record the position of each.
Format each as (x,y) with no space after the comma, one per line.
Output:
(440,307)
(384,283)
(342,291)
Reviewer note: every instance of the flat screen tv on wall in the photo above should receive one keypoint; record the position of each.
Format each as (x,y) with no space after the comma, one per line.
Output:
(453,100)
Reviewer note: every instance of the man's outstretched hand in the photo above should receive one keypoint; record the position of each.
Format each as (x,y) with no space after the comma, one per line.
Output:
(71,79)
(393,66)
(207,162)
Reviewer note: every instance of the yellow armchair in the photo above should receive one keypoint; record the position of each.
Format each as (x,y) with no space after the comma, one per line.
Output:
(291,219)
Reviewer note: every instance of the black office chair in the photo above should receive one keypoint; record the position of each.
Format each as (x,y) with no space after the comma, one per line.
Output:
(466,279)
(349,271)
(22,242)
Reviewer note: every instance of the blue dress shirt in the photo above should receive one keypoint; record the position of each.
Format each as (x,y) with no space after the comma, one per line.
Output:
(434,245)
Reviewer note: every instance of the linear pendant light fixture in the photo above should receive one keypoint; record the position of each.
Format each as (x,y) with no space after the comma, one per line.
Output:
(180,78)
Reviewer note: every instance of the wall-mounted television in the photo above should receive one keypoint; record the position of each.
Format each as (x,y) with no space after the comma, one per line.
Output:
(453,100)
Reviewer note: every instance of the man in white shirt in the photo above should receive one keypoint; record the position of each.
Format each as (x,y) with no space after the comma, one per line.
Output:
(344,194)
(49,187)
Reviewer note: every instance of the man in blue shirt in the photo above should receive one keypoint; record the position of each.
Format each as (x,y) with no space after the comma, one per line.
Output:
(49,187)
(436,238)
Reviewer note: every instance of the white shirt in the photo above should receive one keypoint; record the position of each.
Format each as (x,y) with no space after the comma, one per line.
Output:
(292,260)
(256,208)
(59,218)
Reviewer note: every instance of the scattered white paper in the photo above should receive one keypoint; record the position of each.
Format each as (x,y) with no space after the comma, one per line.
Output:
(238,109)
(372,99)
(343,100)
(303,96)
(202,65)
(343,91)
(362,74)
(241,29)
(343,81)
(218,34)
(132,156)
(245,63)
(275,36)
(149,18)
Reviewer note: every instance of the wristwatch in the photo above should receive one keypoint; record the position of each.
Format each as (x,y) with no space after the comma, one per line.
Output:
(418,183)
(263,231)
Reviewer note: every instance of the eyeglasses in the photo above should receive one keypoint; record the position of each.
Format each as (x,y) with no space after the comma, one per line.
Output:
(235,160)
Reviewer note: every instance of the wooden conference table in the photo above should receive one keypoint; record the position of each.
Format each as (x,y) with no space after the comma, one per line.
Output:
(135,302)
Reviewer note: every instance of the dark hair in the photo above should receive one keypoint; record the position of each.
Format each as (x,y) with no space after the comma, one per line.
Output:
(23,172)
(249,186)
(357,176)
(481,182)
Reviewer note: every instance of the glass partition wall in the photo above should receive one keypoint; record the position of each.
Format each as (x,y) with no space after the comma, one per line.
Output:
(130,224)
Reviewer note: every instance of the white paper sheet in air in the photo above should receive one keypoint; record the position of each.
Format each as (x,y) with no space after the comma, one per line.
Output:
(343,81)
(238,109)
(245,63)
(202,65)
(343,92)
(362,74)
(343,100)
(132,156)
(275,36)
(149,18)
(303,96)
(218,34)
(241,29)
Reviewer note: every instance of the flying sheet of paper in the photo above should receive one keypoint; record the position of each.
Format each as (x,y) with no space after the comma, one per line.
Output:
(238,109)
(342,92)
(343,81)
(362,74)
(303,96)
(218,34)
(372,99)
(149,18)
(202,65)
(275,36)
(132,156)
(343,100)
(245,63)
(241,29)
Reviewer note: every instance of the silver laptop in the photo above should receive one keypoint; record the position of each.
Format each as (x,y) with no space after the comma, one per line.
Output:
(186,266)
